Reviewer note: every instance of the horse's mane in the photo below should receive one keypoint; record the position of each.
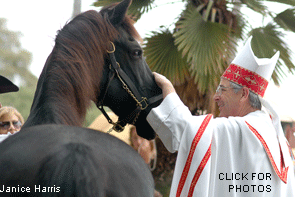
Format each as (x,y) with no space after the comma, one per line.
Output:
(74,69)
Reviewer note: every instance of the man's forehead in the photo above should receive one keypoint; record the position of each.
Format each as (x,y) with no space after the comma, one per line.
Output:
(224,82)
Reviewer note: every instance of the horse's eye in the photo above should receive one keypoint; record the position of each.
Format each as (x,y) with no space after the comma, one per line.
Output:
(137,53)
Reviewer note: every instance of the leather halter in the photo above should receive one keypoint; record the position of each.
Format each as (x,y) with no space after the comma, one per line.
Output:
(141,102)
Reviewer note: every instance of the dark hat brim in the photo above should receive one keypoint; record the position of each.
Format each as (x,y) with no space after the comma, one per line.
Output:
(7,86)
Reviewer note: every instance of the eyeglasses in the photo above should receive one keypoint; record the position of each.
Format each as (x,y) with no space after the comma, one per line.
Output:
(220,89)
(6,125)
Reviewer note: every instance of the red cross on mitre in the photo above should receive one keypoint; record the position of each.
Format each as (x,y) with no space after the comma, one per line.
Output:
(251,80)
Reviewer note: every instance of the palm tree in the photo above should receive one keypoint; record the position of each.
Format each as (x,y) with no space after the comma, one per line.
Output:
(204,41)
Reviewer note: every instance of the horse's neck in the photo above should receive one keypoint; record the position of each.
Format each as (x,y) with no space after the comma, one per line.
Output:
(55,106)
(54,113)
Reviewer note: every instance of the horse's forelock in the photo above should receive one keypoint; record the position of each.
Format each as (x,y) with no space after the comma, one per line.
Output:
(128,25)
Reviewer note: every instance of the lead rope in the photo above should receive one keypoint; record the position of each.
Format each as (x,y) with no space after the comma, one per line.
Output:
(154,165)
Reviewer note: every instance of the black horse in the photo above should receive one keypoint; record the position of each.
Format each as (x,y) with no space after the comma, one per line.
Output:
(97,58)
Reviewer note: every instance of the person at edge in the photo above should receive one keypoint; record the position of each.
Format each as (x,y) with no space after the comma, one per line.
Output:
(6,86)
(241,153)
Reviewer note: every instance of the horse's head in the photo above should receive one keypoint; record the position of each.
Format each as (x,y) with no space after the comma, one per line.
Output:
(129,88)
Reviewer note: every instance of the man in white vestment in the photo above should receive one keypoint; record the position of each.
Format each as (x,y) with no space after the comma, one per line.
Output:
(6,86)
(241,153)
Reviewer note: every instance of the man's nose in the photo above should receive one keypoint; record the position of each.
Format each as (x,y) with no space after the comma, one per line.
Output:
(11,127)
(216,97)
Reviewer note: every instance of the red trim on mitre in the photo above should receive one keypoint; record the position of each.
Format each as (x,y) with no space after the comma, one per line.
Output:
(247,78)
(188,163)
(283,172)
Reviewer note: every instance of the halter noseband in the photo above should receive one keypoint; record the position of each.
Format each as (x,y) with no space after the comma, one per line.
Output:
(141,102)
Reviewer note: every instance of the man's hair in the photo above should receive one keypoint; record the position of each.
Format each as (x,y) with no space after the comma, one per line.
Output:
(253,98)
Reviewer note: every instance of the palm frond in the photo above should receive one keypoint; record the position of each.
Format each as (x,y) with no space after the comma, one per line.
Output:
(286,19)
(266,41)
(101,3)
(136,9)
(287,2)
(163,57)
(256,5)
(208,47)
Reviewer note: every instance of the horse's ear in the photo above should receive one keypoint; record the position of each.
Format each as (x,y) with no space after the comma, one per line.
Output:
(117,13)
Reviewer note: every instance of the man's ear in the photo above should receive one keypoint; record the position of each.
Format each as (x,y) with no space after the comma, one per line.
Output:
(245,94)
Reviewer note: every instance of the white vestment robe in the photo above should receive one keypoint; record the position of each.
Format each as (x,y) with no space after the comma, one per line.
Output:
(224,157)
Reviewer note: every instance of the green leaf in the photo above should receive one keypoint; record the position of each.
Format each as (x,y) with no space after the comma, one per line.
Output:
(287,2)
(102,3)
(163,57)
(208,47)
(286,19)
(268,40)
(256,5)
(136,9)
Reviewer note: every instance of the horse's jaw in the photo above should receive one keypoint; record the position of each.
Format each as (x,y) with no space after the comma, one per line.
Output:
(144,130)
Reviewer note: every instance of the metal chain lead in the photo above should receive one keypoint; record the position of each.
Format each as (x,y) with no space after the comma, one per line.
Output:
(144,99)
(132,95)
(139,103)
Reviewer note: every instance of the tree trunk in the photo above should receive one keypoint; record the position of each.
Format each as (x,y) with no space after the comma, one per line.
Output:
(76,8)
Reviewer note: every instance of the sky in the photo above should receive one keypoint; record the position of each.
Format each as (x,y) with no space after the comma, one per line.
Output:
(38,21)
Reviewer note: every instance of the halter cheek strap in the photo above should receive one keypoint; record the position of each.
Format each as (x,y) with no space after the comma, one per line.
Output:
(141,102)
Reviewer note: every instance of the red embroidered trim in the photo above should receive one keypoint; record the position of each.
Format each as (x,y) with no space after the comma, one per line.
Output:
(191,153)
(247,78)
(284,171)
(199,171)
